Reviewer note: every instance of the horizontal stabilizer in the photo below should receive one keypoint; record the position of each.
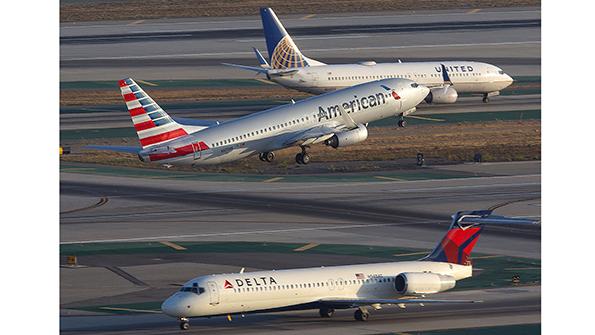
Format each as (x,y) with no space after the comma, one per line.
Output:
(116,148)
(246,67)
(263,62)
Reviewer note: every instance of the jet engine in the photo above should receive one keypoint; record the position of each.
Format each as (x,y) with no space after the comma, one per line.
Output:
(423,283)
(442,95)
(349,137)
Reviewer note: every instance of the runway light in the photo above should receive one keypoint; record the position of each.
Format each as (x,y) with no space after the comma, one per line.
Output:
(71,261)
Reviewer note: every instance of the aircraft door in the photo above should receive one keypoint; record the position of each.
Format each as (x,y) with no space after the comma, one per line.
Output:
(213,292)
(196,149)
(331,284)
(340,283)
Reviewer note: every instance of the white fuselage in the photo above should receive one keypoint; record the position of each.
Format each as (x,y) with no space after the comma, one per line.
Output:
(274,128)
(297,288)
(466,77)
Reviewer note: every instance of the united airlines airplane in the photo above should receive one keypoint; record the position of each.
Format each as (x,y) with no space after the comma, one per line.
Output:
(290,68)
(336,119)
(339,287)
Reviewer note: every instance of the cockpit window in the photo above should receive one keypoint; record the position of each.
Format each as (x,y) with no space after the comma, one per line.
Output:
(500,72)
(193,289)
(414,85)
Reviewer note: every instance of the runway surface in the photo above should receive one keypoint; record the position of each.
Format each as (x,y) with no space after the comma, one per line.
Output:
(406,213)
(194,48)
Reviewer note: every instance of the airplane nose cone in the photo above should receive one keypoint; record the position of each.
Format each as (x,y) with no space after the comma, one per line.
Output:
(508,80)
(176,306)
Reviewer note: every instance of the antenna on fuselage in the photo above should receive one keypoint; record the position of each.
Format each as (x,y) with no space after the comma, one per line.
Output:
(242,270)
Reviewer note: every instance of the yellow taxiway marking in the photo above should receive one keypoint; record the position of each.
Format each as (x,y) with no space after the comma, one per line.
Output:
(307,247)
(422,118)
(173,245)
(388,178)
(272,180)
(411,254)
(146,82)
(309,16)
(131,310)
(473,11)
(265,81)
(135,22)
(485,257)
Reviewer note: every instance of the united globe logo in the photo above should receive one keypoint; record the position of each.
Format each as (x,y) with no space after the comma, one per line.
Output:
(286,55)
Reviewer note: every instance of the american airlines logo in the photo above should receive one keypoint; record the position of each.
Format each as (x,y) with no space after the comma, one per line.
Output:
(357,104)
(455,68)
(257,281)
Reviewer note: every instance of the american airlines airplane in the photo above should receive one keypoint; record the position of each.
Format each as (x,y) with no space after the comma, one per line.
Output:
(337,119)
(339,287)
(290,68)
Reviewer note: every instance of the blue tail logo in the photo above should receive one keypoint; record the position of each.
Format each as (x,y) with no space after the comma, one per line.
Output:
(283,53)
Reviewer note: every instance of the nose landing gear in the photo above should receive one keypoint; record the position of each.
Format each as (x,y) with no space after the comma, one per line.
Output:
(184,324)
(402,123)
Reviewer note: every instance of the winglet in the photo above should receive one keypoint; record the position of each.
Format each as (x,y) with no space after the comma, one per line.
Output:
(349,123)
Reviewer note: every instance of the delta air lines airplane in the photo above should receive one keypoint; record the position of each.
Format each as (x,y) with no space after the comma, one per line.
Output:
(337,119)
(290,68)
(339,287)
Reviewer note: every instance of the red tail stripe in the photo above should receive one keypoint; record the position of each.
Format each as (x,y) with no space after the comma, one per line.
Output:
(144,125)
(163,137)
(137,111)
(122,83)
(129,97)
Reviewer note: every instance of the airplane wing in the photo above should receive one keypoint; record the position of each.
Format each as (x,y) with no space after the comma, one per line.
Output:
(313,135)
(116,148)
(367,302)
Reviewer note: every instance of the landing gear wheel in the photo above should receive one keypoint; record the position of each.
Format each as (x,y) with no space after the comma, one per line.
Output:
(486,99)
(262,156)
(360,315)
(305,158)
(270,156)
(326,312)
(298,158)
(184,325)
(402,123)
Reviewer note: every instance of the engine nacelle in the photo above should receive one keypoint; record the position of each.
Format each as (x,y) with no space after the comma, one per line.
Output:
(442,95)
(349,137)
(423,283)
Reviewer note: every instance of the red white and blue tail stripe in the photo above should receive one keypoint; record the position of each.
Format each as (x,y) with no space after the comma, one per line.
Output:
(151,122)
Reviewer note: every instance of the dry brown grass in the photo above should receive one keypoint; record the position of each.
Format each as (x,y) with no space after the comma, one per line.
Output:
(496,140)
(154,9)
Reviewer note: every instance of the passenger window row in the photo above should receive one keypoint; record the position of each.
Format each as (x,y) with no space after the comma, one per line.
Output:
(313,285)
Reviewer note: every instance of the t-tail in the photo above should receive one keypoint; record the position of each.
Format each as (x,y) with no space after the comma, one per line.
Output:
(283,53)
(464,231)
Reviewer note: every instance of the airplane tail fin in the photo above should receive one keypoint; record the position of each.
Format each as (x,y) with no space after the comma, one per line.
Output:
(283,53)
(464,231)
(152,124)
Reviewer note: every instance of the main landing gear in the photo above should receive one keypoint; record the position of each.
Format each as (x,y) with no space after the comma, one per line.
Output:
(303,157)
(184,324)
(266,156)
(361,315)
(486,98)
(326,312)
(402,123)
